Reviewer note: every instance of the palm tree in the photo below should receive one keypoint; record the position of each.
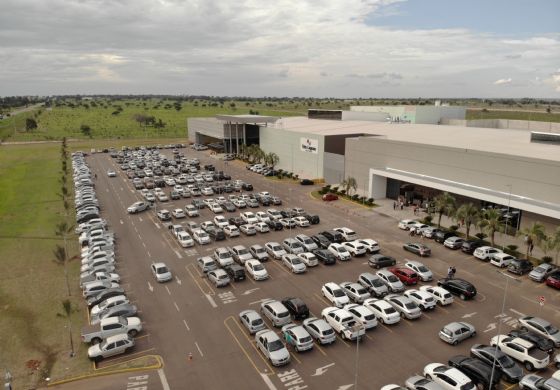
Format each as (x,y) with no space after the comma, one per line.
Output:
(67,314)
(556,239)
(533,235)
(63,230)
(444,204)
(469,214)
(547,244)
(491,223)
(348,184)
(259,154)
(273,159)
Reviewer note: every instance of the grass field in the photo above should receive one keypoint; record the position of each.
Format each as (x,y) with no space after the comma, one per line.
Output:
(513,115)
(57,122)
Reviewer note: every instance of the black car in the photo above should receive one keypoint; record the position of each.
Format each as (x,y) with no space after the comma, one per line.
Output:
(288,213)
(465,290)
(215,233)
(333,236)
(235,272)
(321,241)
(470,246)
(306,182)
(230,207)
(324,256)
(510,370)
(247,187)
(379,261)
(264,200)
(441,236)
(198,203)
(520,266)
(104,294)
(477,371)
(313,219)
(274,224)
(542,343)
(237,221)
(297,308)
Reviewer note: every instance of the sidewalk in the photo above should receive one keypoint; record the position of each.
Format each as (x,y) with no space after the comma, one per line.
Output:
(386,208)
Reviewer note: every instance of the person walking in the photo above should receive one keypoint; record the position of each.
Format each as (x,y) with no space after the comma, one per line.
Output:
(531,246)
(394,205)
(450,273)
(453,270)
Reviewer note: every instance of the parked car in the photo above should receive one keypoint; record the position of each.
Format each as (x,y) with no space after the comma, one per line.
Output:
(553,280)
(328,197)
(235,272)
(391,281)
(543,343)
(405,275)
(363,315)
(423,299)
(421,270)
(441,236)
(373,284)
(321,241)
(520,266)
(252,321)
(379,261)
(256,270)
(448,377)
(325,256)
(455,332)
(355,291)
(510,370)
(485,252)
(535,382)
(501,259)
(294,263)
(521,350)
(297,308)
(343,323)
(111,326)
(465,290)
(113,345)
(371,246)
(542,327)
(335,294)
(441,295)
(383,310)
(479,373)
(298,337)
(219,277)
(276,312)
(469,246)
(272,347)
(453,242)
(540,273)
(417,248)
(404,305)
(320,330)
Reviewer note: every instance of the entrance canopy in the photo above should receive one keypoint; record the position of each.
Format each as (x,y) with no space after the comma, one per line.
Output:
(247,119)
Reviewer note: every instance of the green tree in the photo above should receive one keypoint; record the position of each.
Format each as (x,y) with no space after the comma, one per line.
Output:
(444,204)
(469,214)
(349,183)
(556,239)
(273,159)
(67,314)
(30,124)
(547,244)
(86,130)
(533,235)
(63,229)
(491,223)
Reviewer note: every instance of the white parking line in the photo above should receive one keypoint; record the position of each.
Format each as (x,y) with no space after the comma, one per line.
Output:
(186,325)
(211,300)
(163,379)
(178,254)
(140,218)
(199,350)
(143,244)
(167,288)
(149,254)
(121,221)
(176,307)
(268,382)
(157,225)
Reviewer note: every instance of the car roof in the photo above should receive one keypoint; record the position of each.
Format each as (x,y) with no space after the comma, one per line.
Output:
(536,320)
(117,337)
(332,285)
(251,314)
(270,335)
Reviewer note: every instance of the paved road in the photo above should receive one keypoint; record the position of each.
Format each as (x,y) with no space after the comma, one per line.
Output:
(140,380)
(189,317)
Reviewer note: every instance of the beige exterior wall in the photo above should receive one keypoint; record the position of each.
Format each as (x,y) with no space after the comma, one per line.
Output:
(208,126)
(551,127)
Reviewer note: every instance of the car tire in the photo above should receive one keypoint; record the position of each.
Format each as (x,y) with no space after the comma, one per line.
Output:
(523,329)
(455,342)
(463,297)
(95,340)
(558,365)
(97,359)
(133,333)
(403,316)
(529,366)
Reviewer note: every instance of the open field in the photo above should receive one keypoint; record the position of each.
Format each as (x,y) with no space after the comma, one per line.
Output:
(514,115)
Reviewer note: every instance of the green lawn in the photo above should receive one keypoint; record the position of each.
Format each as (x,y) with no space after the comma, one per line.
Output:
(514,115)
(57,122)
(32,285)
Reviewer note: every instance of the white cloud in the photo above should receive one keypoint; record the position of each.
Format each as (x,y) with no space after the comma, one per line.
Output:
(251,47)
(503,81)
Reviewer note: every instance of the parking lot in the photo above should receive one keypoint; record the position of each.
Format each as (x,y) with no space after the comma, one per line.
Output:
(195,326)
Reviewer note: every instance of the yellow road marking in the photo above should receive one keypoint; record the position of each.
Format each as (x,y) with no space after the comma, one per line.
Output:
(322,299)
(459,303)
(141,337)
(197,283)
(445,310)
(369,337)
(427,316)
(295,357)
(386,327)
(321,349)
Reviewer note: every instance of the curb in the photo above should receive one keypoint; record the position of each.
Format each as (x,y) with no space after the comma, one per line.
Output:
(111,372)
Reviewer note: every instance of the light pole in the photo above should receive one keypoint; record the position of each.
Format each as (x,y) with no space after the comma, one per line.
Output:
(508,278)
(357,328)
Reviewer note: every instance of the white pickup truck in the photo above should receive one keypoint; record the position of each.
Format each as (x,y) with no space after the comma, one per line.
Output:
(343,323)
(109,327)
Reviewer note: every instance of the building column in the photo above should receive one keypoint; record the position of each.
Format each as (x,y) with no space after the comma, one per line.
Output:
(377,186)
(237,138)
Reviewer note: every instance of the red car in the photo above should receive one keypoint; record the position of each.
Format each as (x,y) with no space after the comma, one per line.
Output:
(405,275)
(328,197)
(553,280)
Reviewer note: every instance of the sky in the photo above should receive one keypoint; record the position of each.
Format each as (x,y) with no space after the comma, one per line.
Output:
(305,48)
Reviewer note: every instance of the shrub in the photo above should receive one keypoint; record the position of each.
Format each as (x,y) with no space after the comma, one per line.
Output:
(328,186)
(355,197)
(480,236)
(371,200)
(453,228)
(512,250)
(296,177)
(342,192)
(428,219)
(546,259)
(334,190)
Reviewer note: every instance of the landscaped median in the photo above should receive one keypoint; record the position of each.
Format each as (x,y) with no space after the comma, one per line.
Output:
(342,195)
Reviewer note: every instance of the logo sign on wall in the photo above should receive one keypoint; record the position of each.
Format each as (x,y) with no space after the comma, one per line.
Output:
(309,145)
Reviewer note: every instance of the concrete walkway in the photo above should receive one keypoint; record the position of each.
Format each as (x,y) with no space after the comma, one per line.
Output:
(501,240)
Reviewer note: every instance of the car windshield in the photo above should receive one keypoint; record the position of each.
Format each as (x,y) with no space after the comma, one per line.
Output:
(276,248)
(392,278)
(243,251)
(467,386)
(505,361)
(550,329)
(162,270)
(259,250)
(295,260)
(338,293)
(275,345)
(410,306)
(258,267)
(377,283)
(423,269)
(361,291)
(257,322)
(390,310)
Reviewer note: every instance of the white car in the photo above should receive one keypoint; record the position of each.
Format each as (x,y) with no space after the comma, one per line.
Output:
(191,211)
(501,259)
(223,256)
(215,208)
(261,227)
(137,207)
(355,291)
(107,303)
(335,294)
(113,345)
(355,248)
(522,350)
(363,315)
(252,321)
(201,237)
(219,277)
(274,214)
(298,337)
(185,240)
(221,221)
(347,233)
(421,270)
(301,221)
(262,216)
(248,229)
(161,272)
(405,224)
(232,231)
(178,213)
(371,246)
(447,377)
(272,347)
(391,281)
(423,299)
(162,197)
(294,263)
(404,305)
(384,311)
(256,270)
(275,250)
(309,259)
(249,217)
(485,252)
(441,295)
(339,251)
(343,323)
(207,191)
(111,173)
